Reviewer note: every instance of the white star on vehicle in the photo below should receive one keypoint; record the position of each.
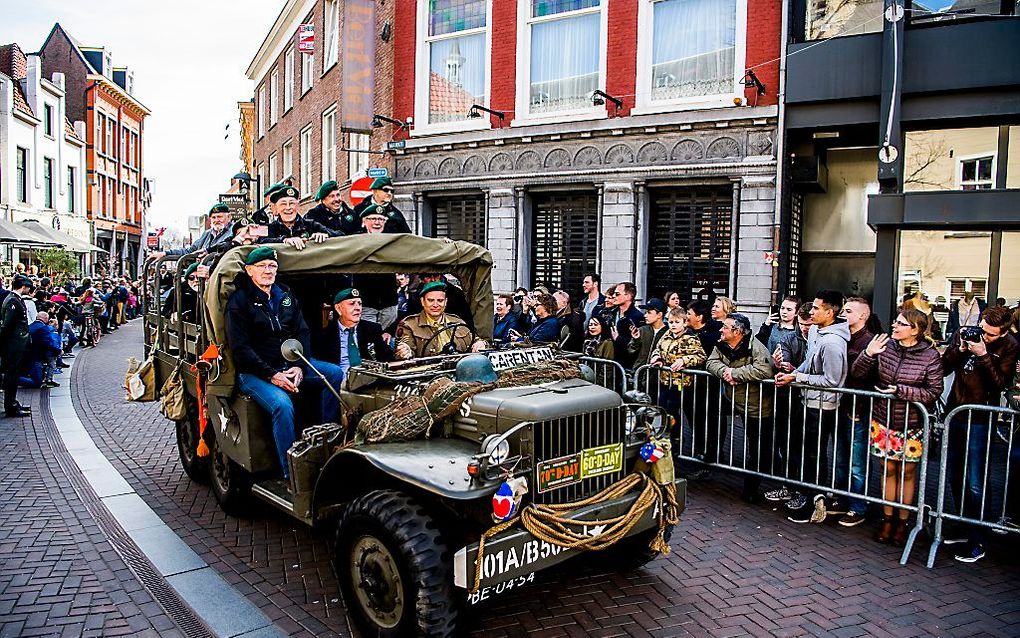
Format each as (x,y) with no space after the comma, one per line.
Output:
(595,531)
(223,420)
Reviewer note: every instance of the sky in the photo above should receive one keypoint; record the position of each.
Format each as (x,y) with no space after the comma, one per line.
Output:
(189,59)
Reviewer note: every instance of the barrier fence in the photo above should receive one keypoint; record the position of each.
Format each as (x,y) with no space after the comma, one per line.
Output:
(859,446)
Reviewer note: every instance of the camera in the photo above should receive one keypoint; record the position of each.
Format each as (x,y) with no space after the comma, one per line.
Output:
(518,298)
(972,334)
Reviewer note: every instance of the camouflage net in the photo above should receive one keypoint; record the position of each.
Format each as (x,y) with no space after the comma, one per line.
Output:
(412,417)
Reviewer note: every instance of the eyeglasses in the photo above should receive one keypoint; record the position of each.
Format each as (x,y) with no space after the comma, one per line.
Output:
(905,324)
(269,266)
(192,278)
(387,190)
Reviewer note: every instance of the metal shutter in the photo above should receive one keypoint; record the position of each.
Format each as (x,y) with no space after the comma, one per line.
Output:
(689,240)
(564,239)
(461,218)
(792,242)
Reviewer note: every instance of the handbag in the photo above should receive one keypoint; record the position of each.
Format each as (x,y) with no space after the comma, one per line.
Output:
(171,397)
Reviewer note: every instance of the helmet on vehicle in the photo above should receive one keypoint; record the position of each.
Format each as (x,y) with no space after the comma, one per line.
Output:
(475,367)
(587,373)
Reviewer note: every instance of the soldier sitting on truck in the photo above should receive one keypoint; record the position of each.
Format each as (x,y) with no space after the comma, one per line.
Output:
(433,331)
(348,339)
(290,227)
(261,315)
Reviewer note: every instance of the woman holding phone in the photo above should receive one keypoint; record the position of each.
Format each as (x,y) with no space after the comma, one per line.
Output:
(909,368)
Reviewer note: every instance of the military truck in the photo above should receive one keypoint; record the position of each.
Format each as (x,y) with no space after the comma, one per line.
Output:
(416,539)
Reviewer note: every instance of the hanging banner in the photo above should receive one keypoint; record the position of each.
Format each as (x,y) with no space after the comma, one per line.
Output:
(358,79)
(306,39)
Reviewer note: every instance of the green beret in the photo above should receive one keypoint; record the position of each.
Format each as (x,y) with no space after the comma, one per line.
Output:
(190,269)
(326,189)
(345,294)
(219,207)
(272,189)
(280,193)
(262,253)
(372,209)
(380,182)
(432,286)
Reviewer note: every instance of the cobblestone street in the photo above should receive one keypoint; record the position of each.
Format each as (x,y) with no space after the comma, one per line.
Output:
(735,569)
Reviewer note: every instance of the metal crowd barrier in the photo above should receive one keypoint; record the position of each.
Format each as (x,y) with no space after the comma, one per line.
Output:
(608,373)
(799,448)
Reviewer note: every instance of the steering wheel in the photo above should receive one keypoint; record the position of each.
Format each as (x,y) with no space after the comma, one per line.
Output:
(451,347)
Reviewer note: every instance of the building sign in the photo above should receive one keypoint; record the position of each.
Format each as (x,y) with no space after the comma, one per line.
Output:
(234,201)
(378,172)
(358,67)
(306,39)
(152,240)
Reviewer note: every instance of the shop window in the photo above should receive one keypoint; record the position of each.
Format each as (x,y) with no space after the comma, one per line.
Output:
(454,55)
(564,239)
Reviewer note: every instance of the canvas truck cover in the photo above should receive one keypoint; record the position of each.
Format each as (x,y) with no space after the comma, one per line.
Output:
(375,253)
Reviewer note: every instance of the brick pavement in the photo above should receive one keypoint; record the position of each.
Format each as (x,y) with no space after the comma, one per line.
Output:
(735,569)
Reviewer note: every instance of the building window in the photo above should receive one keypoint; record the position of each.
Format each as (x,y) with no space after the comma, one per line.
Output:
(357,163)
(305,149)
(564,54)
(274,97)
(288,159)
(824,19)
(22,176)
(329,145)
(288,80)
(453,59)
(330,43)
(272,168)
(100,191)
(977,173)
(260,111)
(123,145)
(48,120)
(72,202)
(100,125)
(961,285)
(47,182)
(260,178)
(110,211)
(459,218)
(307,71)
(690,51)
(110,148)
(131,151)
(564,239)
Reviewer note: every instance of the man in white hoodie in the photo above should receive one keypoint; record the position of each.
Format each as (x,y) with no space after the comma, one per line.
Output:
(825,366)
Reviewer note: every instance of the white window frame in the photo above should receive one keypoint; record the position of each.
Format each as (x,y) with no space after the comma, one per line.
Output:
(644,103)
(975,158)
(305,159)
(274,97)
(48,120)
(357,163)
(272,168)
(260,111)
(288,80)
(331,36)
(49,166)
(72,189)
(307,72)
(421,76)
(24,183)
(260,173)
(288,159)
(329,132)
(523,116)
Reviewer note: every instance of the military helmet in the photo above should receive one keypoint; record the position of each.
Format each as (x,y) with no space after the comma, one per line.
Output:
(475,367)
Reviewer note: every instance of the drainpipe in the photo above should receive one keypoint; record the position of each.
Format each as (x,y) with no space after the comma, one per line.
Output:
(780,151)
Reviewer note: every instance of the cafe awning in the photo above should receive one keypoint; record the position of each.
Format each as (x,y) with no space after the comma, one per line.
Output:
(22,235)
(61,238)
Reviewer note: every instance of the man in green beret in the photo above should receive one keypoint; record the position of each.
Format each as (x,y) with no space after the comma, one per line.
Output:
(289,227)
(349,338)
(433,331)
(220,231)
(379,289)
(261,315)
(189,294)
(382,196)
(263,216)
(332,211)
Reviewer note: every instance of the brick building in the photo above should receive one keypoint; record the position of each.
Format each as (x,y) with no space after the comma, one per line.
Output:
(673,188)
(312,112)
(102,96)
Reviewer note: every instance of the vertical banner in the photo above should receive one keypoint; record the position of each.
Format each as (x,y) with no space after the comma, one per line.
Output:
(358,79)
(306,39)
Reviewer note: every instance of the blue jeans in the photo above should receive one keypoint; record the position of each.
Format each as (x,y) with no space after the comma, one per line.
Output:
(32,375)
(853,461)
(969,490)
(277,402)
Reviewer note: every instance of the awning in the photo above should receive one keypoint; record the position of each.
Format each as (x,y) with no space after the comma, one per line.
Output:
(22,235)
(62,239)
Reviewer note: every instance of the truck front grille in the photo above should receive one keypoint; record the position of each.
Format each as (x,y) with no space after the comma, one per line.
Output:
(570,436)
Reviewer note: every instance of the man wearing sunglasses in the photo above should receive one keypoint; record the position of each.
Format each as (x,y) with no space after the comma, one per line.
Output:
(382,196)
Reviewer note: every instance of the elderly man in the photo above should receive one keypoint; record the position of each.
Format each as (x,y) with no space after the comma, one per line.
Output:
(332,211)
(379,291)
(349,338)
(264,215)
(382,196)
(289,227)
(433,331)
(14,340)
(220,231)
(261,315)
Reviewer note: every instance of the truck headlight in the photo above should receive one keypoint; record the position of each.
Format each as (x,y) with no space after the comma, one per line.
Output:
(497,448)
(652,419)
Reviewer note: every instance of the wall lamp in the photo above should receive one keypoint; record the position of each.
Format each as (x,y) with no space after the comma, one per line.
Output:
(377,121)
(598,98)
(474,112)
(750,80)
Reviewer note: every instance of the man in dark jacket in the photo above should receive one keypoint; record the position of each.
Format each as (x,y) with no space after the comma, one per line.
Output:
(289,227)
(702,402)
(625,316)
(984,366)
(14,340)
(348,339)
(646,337)
(39,361)
(261,315)
(505,319)
(571,323)
(382,196)
(332,211)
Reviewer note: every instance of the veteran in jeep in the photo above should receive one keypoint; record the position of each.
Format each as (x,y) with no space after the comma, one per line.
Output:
(433,331)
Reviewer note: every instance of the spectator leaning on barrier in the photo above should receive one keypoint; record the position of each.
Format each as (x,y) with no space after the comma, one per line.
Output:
(701,404)
(742,363)
(983,360)
(779,323)
(546,328)
(908,369)
(597,342)
(824,367)
(676,350)
(644,338)
(625,316)
(570,321)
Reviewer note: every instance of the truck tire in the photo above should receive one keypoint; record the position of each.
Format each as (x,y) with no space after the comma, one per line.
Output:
(228,480)
(195,466)
(394,569)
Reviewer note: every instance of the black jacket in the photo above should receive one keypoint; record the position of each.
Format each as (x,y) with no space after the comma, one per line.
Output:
(573,322)
(189,303)
(370,343)
(395,221)
(341,223)
(257,324)
(632,316)
(14,335)
(302,228)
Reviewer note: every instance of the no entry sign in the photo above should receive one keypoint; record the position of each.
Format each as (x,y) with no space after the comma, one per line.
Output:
(360,189)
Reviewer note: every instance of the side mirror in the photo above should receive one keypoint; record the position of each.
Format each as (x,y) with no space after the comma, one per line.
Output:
(291,349)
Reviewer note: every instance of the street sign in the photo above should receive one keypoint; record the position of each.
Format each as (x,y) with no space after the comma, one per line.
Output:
(152,240)
(306,39)
(234,201)
(378,172)
(360,189)
(395,145)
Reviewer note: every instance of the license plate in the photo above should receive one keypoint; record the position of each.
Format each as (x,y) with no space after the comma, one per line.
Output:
(507,359)
(602,460)
(556,473)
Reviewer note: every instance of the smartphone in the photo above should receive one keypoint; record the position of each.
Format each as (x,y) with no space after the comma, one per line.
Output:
(260,231)
(774,309)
